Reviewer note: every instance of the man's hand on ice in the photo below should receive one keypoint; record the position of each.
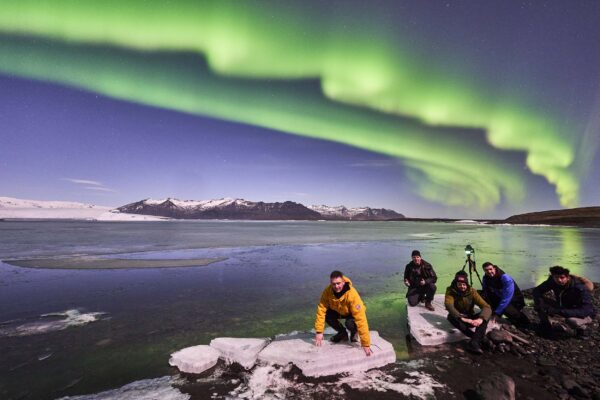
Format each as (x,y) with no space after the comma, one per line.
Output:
(318,339)
(368,351)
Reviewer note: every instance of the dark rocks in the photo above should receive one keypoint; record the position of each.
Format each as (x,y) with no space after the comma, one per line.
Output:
(500,336)
(559,367)
(573,388)
(545,362)
(496,387)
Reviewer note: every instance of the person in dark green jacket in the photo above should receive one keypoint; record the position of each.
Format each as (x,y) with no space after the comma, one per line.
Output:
(460,302)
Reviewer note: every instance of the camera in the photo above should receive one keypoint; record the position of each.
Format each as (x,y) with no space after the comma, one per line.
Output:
(469,250)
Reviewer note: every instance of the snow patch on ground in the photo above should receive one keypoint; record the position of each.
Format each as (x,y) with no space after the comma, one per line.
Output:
(470,222)
(270,382)
(119,216)
(147,389)
(49,323)
(423,235)
(52,213)
(417,384)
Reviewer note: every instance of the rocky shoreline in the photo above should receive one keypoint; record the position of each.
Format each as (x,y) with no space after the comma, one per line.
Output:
(561,367)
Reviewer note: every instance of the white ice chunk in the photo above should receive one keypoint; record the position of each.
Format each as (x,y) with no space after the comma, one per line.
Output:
(148,389)
(195,359)
(49,323)
(242,351)
(329,359)
(431,328)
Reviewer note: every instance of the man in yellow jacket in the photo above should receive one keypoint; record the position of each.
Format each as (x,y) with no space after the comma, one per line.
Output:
(341,300)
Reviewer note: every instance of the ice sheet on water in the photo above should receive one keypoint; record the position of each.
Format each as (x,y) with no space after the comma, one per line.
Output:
(240,350)
(195,359)
(147,389)
(49,323)
(328,359)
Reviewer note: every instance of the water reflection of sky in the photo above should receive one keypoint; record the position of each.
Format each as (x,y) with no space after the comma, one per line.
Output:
(259,290)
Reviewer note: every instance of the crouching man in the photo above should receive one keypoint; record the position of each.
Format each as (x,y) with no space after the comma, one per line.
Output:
(460,302)
(503,294)
(420,278)
(571,307)
(341,301)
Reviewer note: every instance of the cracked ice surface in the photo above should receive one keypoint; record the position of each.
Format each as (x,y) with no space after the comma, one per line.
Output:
(329,359)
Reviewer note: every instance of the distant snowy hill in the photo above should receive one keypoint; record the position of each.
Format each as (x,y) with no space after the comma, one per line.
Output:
(38,209)
(356,214)
(9,202)
(228,208)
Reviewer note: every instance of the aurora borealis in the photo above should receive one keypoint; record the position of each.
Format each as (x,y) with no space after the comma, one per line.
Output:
(342,72)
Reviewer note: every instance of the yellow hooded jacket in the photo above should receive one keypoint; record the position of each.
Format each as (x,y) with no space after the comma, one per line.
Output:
(349,304)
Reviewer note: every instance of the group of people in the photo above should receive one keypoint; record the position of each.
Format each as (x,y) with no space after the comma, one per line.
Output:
(563,302)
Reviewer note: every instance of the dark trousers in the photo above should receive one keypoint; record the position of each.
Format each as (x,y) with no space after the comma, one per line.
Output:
(512,311)
(464,328)
(516,316)
(416,293)
(332,319)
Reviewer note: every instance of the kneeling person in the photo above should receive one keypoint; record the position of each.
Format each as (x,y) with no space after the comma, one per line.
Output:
(572,303)
(460,301)
(341,301)
(503,294)
(420,278)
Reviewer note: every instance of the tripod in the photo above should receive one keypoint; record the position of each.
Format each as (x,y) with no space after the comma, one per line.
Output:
(472,267)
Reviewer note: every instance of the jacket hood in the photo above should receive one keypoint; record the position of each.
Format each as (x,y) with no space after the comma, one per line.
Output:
(346,279)
(454,287)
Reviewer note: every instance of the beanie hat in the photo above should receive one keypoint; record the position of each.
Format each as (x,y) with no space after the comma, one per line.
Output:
(461,276)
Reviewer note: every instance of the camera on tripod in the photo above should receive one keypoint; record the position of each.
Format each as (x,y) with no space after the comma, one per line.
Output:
(470,251)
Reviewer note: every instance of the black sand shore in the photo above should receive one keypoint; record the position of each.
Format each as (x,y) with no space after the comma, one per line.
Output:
(562,367)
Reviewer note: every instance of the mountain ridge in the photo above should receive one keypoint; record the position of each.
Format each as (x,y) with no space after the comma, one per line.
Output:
(228,208)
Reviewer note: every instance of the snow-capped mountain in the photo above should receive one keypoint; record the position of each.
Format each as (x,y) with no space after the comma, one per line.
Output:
(221,209)
(228,208)
(356,214)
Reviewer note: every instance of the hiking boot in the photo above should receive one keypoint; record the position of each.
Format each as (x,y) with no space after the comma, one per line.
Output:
(340,337)
(429,306)
(474,347)
(354,337)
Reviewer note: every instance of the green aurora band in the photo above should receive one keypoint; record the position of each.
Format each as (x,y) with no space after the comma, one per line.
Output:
(250,53)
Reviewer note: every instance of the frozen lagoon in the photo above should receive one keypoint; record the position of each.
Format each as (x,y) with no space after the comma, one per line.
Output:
(269,283)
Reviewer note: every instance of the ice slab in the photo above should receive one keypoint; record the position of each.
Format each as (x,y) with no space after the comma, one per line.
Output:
(431,328)
(329,359)
(148,389)
(240,350)
(49,323)
(195,359)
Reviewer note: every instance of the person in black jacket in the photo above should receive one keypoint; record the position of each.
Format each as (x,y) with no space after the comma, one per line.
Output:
(503,294)
(572,302)
(420,278)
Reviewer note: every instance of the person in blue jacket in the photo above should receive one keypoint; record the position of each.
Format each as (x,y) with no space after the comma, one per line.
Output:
(503,294)
(572,303)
